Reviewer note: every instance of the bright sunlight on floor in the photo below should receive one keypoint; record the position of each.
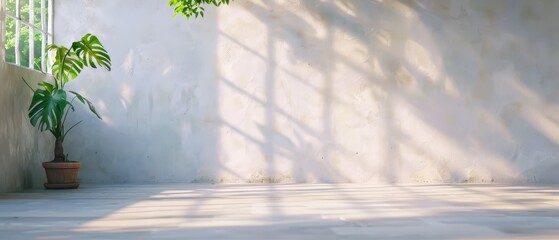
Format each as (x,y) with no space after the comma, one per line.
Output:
(297,211)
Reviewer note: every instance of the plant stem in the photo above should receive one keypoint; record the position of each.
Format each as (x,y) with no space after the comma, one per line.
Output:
(67,110)
(28,85)
(62,68)
(64,136)
(58,148)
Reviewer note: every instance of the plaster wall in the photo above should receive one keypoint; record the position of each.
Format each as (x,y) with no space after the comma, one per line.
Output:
(320,91)
(22,147)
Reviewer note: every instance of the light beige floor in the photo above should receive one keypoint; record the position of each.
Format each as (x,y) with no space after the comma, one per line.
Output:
(299,211)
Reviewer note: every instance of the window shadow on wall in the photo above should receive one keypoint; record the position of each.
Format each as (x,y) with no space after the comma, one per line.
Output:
(444,101)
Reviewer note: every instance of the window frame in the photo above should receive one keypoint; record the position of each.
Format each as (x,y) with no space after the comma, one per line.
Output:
(46,31)
(2,31)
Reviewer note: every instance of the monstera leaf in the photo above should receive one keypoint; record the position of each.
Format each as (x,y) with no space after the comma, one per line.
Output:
(91,52)
(46,85)
(47,108)
(66,64)
(89,104)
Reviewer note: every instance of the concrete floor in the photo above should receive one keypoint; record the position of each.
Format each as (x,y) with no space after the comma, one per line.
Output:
(300,211)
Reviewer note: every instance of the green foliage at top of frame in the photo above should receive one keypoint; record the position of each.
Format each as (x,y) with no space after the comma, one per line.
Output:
(193,8)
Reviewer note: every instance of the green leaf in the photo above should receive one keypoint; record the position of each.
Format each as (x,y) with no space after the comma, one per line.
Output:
(66,64)
(91,52)
(47,108)
(47,86)
(193,8)
(89,104)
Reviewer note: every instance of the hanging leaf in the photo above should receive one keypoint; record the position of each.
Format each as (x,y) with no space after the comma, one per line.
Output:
(89,104)
(47,108)
(91,52)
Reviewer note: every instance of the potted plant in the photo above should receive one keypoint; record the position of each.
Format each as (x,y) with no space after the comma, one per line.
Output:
(50,106)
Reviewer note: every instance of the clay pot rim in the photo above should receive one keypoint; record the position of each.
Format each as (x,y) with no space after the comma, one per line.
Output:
(62,161)
(72,164)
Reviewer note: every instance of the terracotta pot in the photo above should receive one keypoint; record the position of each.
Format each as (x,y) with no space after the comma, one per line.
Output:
(62,175)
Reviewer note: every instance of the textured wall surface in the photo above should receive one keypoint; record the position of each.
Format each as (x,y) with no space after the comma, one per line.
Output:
(22,148)
(320,91)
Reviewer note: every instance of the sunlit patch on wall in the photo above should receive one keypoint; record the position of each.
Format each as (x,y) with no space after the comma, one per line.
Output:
(126,94)
(419,57)
(345,8)
(384,37)
(402,8)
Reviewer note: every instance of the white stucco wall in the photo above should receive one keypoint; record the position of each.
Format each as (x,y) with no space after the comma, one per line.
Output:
(22,147)
(320,91)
